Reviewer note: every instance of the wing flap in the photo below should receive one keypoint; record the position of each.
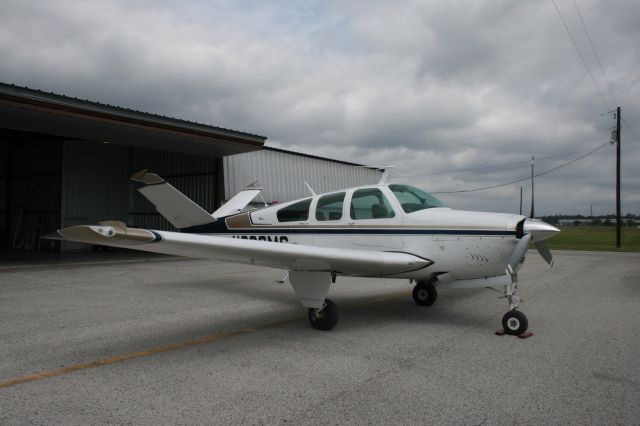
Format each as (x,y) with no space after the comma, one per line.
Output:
(295,257)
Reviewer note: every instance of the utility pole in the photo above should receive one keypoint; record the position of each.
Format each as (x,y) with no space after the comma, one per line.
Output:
(532,215)
(618,213)
(520,201)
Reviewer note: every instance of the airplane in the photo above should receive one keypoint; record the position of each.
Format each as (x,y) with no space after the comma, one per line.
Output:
(382,230)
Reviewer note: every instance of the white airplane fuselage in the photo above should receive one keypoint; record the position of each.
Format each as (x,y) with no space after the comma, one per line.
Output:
(466,244)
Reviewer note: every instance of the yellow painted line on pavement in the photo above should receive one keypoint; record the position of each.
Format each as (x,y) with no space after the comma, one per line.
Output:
(167,348)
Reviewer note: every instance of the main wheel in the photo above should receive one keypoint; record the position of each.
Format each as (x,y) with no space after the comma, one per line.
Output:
(515,322)
(324,318)
(425,293)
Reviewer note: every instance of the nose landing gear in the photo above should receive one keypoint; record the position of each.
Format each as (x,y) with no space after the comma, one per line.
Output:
(514,322)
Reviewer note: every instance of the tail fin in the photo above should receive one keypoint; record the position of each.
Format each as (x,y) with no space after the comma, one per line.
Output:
(171,203)
(180,210)
(239,201)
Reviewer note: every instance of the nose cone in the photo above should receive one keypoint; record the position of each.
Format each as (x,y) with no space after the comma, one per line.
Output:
(539,230)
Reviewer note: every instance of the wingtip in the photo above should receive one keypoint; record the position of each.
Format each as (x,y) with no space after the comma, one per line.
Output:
(145,177)
(108,233)
(254,185)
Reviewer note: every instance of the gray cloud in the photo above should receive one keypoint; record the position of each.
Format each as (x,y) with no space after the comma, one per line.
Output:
(431,87)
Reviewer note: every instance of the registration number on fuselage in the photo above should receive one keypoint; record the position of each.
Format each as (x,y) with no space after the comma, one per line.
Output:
(275,239)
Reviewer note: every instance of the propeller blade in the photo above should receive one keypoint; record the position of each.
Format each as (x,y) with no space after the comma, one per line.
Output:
(544,252)
(518,253)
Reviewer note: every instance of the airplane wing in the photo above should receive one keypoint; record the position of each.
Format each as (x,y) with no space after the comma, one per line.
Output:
(293,257)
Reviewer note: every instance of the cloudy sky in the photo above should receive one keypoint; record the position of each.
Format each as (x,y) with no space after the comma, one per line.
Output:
(457,95)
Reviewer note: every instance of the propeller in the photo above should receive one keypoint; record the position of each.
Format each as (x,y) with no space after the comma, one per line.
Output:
(544,252)
(539,232)
(531,230)
(538,229)
(517,257)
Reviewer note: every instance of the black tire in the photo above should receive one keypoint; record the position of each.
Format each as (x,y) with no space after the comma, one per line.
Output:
(325,318)
(425,293)
(515,323)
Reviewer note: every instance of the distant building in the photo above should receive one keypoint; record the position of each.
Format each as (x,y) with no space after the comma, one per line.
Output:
(574,222)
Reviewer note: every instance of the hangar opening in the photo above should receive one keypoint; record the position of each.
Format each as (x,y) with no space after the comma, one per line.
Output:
(66,161)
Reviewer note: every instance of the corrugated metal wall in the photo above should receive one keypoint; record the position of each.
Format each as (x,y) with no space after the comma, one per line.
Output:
(30,188)
(195,176)
(94,184)
(4,181)
(97,186)
(283,174)
(46,183)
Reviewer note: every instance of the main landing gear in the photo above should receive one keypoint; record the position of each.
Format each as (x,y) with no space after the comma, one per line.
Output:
(324,318)
(425,293)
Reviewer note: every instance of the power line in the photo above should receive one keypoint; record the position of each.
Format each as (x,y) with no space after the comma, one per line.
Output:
(559,137)
(595,53)
(511,163)
(630,129)
(580,53)
(496,166)
(528,177)
(520,129)
(502,146)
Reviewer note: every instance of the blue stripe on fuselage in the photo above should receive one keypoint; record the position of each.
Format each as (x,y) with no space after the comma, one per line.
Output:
(205,229)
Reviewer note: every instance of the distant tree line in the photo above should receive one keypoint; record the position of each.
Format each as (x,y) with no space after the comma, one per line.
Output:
(602,220)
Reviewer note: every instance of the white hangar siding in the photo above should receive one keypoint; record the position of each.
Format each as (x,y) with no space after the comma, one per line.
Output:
(283,174)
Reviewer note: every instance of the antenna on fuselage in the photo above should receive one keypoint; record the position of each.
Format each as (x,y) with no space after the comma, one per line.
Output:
(386,170)
(313,193)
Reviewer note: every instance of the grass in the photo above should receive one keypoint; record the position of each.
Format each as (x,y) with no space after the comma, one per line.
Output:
(598,238)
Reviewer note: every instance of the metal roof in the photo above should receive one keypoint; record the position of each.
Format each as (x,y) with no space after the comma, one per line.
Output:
(317,157)
(25,109)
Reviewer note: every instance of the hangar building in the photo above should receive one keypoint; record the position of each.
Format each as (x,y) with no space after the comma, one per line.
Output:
(66,161)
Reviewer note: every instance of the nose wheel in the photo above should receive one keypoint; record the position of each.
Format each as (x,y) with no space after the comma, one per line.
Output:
(515,323)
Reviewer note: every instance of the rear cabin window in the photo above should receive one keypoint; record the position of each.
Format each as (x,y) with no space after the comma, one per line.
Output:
(329,207)
(298,212)
(370,203)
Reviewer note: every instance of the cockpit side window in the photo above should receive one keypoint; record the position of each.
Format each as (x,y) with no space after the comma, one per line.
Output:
(329,207)
(370,203)
(297,212)
(413,199)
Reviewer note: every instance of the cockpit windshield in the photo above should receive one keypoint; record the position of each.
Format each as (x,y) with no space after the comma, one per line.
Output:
(413,199)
